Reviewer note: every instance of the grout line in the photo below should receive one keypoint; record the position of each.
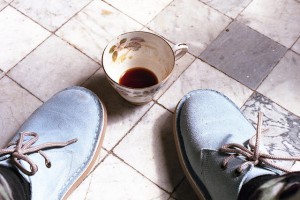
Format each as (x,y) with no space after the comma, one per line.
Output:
(244,9)
(24,88)
(122,160)
(105,1)
(28,17)
(72,16)
(42,42)
(132,127)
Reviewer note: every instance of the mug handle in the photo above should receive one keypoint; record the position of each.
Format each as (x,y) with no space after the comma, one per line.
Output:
(180,50)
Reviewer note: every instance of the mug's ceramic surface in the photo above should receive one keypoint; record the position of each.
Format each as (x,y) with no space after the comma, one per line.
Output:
(143,50)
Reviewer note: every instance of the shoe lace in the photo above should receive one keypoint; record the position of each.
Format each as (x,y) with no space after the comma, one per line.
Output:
(253,154)
(20,150)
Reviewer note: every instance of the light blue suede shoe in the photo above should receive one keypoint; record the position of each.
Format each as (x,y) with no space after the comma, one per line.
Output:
(205,122)
(58,145)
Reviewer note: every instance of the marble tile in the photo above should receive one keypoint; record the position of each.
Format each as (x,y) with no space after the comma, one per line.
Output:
(53,66)
(50,15)
(121,114)
(296,46)
(16,106)
(244,54)
(282,85)
(92,28)
(185,191)
(140,10)
(3,4)
(15,45)
(230,8)
(190,22)
(276,19)
(81,191)
(114,180)
(202,76)
(150,149)
(283,135)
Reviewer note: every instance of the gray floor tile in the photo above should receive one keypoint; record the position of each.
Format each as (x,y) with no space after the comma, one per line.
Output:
(191,22)
(244,54)
(283,135)
(50,14)
(52,67)
(282,84)
(230,8)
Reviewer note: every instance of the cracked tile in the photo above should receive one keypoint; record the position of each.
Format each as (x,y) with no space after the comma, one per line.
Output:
(16,106)
(15,45)
(280,21)
(198,30)
(244,54)
(282,84)
(53,66)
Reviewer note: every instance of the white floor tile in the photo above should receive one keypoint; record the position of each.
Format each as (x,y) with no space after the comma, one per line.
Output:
(202,76)
(3,4)
(16,106)
(92,28)
(276,19)
(296,46)
(53,66)
(18,37)
(141,10)
(50,14)
(190,22)
(230,8)
(150,149)
(282,84)
(114,180)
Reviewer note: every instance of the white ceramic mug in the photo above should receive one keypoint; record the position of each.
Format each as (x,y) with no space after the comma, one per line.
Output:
(135,50)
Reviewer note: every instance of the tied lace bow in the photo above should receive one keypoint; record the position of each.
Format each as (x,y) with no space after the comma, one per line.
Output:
(20,149)
(253,154)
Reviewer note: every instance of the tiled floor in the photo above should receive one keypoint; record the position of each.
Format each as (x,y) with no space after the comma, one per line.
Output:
(246,49)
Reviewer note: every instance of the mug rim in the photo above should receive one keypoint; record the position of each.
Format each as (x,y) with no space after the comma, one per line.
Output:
(150,33)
